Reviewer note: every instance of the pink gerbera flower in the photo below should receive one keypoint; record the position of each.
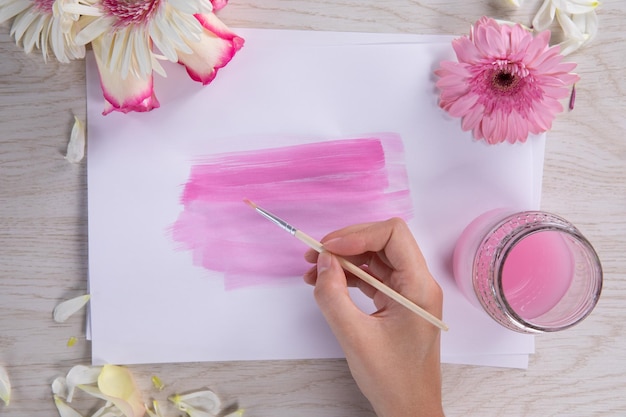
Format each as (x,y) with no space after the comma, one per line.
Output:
(506,83)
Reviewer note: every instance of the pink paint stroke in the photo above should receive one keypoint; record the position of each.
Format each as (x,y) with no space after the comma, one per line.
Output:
(317,187)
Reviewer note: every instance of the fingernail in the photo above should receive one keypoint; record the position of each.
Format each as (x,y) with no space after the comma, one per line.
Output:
(323,261)
(331,242)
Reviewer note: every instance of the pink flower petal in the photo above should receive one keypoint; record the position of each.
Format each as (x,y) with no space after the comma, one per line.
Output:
(465,50)
(472,118)
(213,24)
(124,95)
(538,46)
(463,105)
(218,4)
(215,49)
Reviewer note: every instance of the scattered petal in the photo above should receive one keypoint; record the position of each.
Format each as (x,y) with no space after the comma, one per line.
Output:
(64,409)
(65,309)
(71,341)
(76,146)
(155,411)
(572,98)
(108,410)
(5,386)
(59,387)
(117,385)
(80,375)
(198,404)
(157,383)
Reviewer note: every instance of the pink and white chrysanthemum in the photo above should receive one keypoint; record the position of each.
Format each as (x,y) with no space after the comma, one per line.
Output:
(42,24)
(506,84)
(129,37)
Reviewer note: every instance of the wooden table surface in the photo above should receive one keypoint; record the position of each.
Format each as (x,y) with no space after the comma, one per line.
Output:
(43,232)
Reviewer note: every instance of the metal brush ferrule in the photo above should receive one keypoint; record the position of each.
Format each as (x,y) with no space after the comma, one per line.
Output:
(277,220)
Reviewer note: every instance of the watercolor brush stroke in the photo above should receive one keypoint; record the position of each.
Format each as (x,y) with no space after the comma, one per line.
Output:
(321,185)
(349,266)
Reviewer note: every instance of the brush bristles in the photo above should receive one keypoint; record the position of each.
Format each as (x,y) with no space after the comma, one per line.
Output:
(250,203)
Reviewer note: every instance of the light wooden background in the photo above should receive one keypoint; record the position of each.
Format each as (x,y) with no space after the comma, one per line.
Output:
(43,232)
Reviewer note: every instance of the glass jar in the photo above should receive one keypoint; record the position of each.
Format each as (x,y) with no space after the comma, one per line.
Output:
(531,271)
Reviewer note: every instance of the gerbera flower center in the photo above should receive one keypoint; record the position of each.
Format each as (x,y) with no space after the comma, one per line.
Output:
(130,12)
(507,75)
(504,81)
(44,6)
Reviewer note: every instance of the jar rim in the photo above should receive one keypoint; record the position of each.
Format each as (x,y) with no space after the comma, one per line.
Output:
(540,222)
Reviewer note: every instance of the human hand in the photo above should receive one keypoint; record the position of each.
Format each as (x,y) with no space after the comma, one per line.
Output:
(393,354)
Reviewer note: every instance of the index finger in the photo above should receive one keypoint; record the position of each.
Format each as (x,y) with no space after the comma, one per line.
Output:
(391,239)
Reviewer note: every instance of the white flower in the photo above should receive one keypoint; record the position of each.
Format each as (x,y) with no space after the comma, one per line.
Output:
(516,3)
(42,24)
(546,13)
(125,30)
(76,145)
(577,19)
(129,37)
(579,29)
(5,386)
(65,309)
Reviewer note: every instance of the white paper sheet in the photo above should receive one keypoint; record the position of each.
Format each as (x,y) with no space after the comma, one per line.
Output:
(151,304)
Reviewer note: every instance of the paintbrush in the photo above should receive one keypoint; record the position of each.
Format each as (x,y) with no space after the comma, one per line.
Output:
(350,267)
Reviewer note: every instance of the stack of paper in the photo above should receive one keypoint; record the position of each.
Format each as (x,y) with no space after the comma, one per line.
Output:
(155,298)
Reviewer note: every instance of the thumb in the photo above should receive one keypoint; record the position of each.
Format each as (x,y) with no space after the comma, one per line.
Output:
(332,296)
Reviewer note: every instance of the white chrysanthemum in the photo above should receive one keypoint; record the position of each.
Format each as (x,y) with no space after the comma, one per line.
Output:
(126,30)
(43,24)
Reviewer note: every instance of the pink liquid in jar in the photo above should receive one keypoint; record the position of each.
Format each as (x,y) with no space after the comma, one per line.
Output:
(537,273)
(531,271)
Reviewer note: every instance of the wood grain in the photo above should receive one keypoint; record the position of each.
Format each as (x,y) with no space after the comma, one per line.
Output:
(43,232)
